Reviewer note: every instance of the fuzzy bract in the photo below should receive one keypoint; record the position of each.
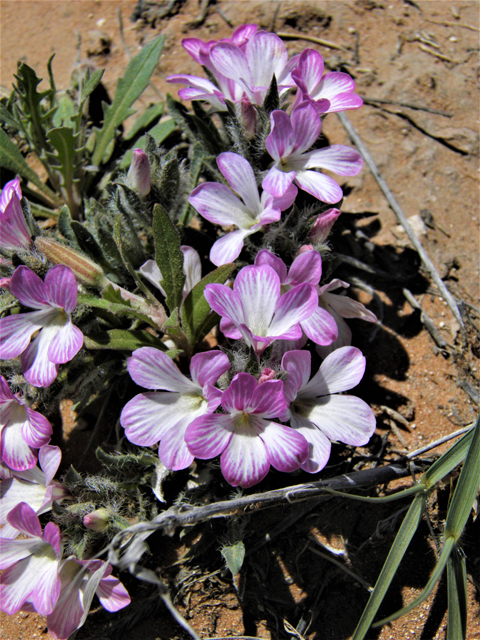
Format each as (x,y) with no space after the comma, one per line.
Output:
(288,144)
(165,415)
(257,311)
(316,408)
(59,339)
(220,205)
(14,235)
(246,436)
(22,430)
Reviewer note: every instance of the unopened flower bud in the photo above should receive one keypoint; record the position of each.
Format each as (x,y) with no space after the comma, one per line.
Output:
(138,177)
(304,248)
(97,520)
(323,225)
(267,374)
(249,117)
(85,270)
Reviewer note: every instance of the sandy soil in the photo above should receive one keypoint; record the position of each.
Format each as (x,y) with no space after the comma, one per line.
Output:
(423,54)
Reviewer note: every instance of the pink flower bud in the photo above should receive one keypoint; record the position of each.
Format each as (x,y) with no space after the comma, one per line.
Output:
(138,177)
(304,248)
(85,270)
(267,374)
(5,283)
(323,225)
(249,117)
(97,520)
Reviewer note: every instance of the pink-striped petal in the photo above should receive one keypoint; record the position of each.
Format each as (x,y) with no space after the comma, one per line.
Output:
(239,174)
(295,306)
(265,257)
(30,288)
(343,419)
(305,269)
(173,450)
(36,366)
(259,291)
(49,458)
(286,448)
(25,520)
(112,594)
(306,125)
(228,248)
(153,369)
(65,344)
(17,330)
(280,140)
(208,435)
(321,327)
(218,204)
(345,161)
(318,444)
(238,396)
(298,365)
(268,400)
(310,70)
(281,202)
(277,182)
(266,56)
(344,336)
(320,186)
(62,287)
(267,217)
(207,367)
(192,267)
(37,429)
(245,462)
(340,371)
(348,308)
(225,302)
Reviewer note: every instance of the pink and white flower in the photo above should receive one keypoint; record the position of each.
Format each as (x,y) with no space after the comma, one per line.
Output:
(320,327)
(288,142)
(323,225)
(341,306)
(34,486)
(192,268)
(220,205)
(330,92)
(164,416)
(31,565)
(59,340)
(257,311)
(22,430)
(242,67)
(317,411)
(80,581)
(246,437)
(15,234)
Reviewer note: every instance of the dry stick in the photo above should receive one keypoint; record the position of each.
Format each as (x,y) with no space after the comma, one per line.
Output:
(437,54)
(448,23)
(429,266)
(299,36)
(407,105)
(426,320)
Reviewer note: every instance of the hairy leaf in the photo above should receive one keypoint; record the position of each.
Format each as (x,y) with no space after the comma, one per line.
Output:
(122,340)
(129,88)
(168,257)
(159,132)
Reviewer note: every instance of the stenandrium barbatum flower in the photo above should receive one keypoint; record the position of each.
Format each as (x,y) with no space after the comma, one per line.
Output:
(220,205)
(246,436)
(22,430)
(14,235)
(30,566)
(288,144)
(257,311)
(165,415)
(316,408)
(59,339)
(138,177)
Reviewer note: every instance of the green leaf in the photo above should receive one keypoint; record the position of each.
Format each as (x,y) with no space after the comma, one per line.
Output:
(8,118)
(129,88)
(12,159)
(457,596)
(466,489)
(272,99)
(196,309)
(92,80)
(234,556)
(65,111)
(31,100)
(159,132)
(117,308)
(451,459)
(196,163)
(168,257)
(142,122)
(86,242)
(397,551)
(172,327)
(121,340)
(64,225)
(64,141)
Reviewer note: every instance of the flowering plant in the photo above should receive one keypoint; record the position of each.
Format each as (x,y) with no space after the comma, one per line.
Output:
(244,368)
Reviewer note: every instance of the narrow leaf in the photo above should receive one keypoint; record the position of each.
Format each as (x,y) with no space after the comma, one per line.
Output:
(457,596)
(121,340)
(168,257)
(129,88)
(196,163)
(234,556)
(143,121)
(8,118)
(195,308)
(91,82)
(449,461)
(64,141)
(399,547)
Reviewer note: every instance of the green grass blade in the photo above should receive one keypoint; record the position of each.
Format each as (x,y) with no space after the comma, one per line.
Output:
(417,488)
(129,88)
(451,459)
(457,596)
(396,553)
(466,489)
(434,578)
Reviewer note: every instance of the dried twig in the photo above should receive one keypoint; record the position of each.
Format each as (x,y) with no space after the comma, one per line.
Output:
(408,106)
(300,36)
(437,54)
(427,321)
(430,267)
(470,390)
(449,23)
